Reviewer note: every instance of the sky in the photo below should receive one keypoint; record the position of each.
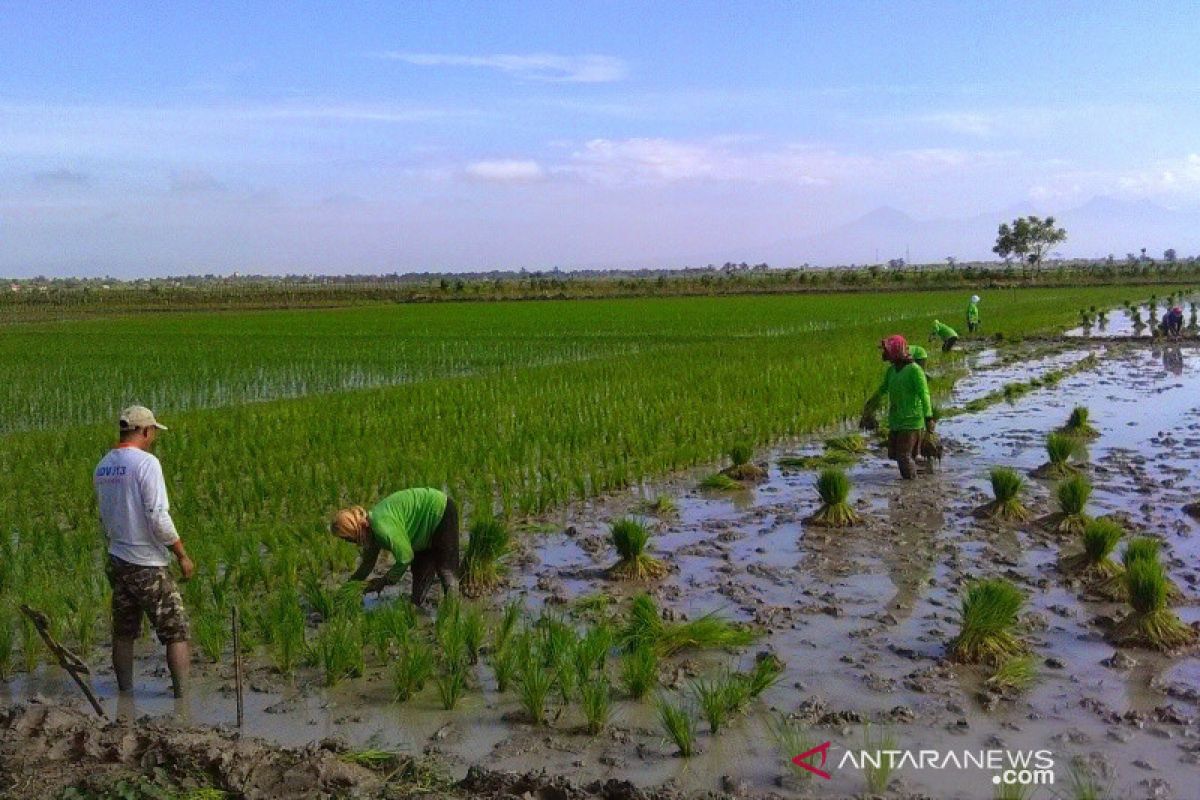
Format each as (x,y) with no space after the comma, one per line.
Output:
(145,139)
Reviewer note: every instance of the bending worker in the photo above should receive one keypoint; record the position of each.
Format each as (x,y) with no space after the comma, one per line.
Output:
(1172,322)
(910,411)
(948,335)
(417,526)
(973,314)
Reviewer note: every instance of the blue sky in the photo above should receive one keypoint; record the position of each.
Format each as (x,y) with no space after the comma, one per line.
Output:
(277,137)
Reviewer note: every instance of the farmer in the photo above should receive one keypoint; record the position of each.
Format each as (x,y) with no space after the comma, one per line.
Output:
(973,314)
(1172,322)
(135,514)
(909,409)
(417,526)
(918,354)
(948,335)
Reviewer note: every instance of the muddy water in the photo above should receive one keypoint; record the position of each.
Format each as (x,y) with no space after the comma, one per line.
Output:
(860,616)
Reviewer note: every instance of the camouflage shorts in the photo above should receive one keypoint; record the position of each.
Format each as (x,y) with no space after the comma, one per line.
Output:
(138,590)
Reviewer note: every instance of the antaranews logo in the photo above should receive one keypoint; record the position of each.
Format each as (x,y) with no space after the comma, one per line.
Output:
(1008,767)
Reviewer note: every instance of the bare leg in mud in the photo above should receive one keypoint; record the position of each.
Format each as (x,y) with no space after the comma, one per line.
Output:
(903,447)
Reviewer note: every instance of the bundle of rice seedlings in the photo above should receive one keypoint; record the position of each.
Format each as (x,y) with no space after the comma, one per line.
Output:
(629,537)
(371,759)
(662,505)
(1077,424)
(1059,448)
(411,670)
(639,671)
(1099,538)
(830,458)
(595,696)
(1072,495)
(534,683)
(765,673)
(1151,623)
(834,488)
(851,443)
(679,723)
(719,482)
(987,619)
(1139,548)
(482,566)
(645,626)
(1015,674)
(741,469)
(1007,484)
(931,447)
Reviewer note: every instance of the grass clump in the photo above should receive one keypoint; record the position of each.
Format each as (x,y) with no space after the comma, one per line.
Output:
(1099,540)
(371,759)
(740,468)
(679,723)
(1078,426)
(1007,485)
(1060,447)
(1014,675)
(835,512)
(595,697)
(987,619)
(1151,623)
(483,563)
(1072,495)
(629,537)
(412,670)
(646,627)
(639,671)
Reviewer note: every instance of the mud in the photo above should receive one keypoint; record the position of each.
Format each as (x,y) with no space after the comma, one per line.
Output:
(860,615)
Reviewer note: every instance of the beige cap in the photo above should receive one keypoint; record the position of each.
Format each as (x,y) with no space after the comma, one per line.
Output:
(138,417)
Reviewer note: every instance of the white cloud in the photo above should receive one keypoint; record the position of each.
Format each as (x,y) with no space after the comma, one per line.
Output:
(1165,178)
(506,171)
(534,66)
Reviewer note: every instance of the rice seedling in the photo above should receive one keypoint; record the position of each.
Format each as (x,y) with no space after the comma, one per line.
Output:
(740,454)
(287,625)
(595,697)
(591,652)
(639,671)
(474,630)
(662,505)
(1099,539)
(504,661)
(878,771)
(720,698)
(1084,783)
(344,601)
(987,619)
(792,739)
(211,632)
(852,443)
(337,650)
(7,643)
(645,626)
(593,605)
(833,486)
(629,537)
(452,684)
(371,759)
(1141,548)
(1060,447)
(1007,485)
(1072,495)
(508,624)
(483,563)
(679,723)
(830,458)
(1151,623)
(1013,791)
(1014,674)
(412,669)
(720,482)
(1077,424)
(765,673)
(534,684)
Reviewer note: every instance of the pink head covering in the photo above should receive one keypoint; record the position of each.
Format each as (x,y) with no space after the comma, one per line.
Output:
(895,348)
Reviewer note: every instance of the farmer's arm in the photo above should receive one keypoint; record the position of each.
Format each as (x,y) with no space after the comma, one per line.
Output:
(404,556)
(158,513)
(366,564)
(921,388)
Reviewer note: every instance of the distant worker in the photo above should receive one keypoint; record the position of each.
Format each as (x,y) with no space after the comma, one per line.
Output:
(419,527)
(918,354)
(948,335)
(1172,322)
(910,411)
(973,314)
(135,514)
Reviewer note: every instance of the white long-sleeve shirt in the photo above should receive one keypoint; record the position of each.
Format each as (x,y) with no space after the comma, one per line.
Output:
(134,511)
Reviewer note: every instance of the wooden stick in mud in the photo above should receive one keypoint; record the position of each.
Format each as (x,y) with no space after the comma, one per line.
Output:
(237,664)
(73,664)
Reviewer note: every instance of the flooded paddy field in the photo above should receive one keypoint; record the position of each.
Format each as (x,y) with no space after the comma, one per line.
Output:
(861,616)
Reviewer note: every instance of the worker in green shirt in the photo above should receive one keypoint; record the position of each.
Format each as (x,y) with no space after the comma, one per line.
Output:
(948,335)
(918,354)
(973,314)
(910,411)
(419,527)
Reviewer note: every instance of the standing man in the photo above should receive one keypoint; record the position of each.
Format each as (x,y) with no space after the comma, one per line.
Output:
(910,411)
(948,335)
(973,314)
(137,523)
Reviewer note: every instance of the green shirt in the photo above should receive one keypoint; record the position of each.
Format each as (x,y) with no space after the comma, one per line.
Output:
(908,398)
(944,331)
(972,313)
(402,523)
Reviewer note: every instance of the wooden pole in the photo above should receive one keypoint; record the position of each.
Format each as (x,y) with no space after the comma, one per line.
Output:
(237,665)
(73,664)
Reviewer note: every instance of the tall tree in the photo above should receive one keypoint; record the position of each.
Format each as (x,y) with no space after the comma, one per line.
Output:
(1028,239)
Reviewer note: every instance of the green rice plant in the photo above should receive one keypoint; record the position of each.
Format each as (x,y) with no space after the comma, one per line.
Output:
(720,698)
(645,626)
(483,563)
(833,486)
(719,482)
(508,624)
(852,443)
(629,537)
(1141,548)
(591,652)
(1060,447)
(1013,791)
(412,668)
(211,633)
(370,759)
(1083,783)
(830,458)
(452,684)
(679,723)
(1007,485)
(504,661)
(765,673)
(595,696)
(474,631)
(287,623)
(1151,623)
(31,644)
(1014,674)
(344,601)
(556,641)
(338,650)
(1099,539)
(792,739)
(591,605)
(663,505)
(878,775)
(7,643)
(639,671)
(987,619)
(1077,424)
(1072,495)
(534,683)
(740,454)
